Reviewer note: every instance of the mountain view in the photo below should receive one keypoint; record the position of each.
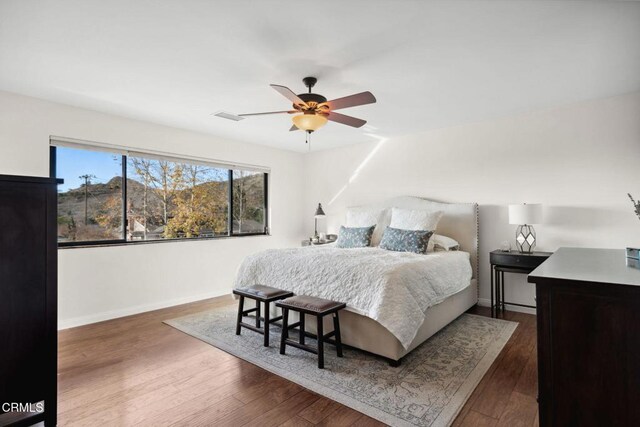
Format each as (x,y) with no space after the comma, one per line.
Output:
(165,200)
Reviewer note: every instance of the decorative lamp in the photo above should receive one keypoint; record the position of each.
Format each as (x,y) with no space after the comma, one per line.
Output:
(309,122)
(524,215)
(319,214)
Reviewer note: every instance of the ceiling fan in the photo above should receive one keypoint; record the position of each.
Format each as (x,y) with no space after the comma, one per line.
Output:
(311,110)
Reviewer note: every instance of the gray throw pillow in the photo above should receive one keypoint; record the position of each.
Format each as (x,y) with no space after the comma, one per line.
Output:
(354,237)
(395,239)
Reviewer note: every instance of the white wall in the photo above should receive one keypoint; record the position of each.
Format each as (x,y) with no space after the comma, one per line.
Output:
(100,283)
(579,161)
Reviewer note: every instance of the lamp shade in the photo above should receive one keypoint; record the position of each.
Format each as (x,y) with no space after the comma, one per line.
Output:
(319,211)
(525,214)
(309,122)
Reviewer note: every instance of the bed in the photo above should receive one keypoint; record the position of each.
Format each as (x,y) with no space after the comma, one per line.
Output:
(395,301)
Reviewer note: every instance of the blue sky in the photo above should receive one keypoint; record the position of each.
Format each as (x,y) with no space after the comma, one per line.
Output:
(71,163)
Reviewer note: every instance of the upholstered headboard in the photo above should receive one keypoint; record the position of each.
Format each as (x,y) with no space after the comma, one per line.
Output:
(460,221)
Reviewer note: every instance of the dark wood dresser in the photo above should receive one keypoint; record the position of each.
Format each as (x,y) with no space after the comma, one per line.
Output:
(28,299)
(588,338)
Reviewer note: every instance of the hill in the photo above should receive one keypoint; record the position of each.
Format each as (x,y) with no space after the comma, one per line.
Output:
(155,214)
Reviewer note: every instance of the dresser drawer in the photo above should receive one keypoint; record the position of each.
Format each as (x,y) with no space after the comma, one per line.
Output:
(516,260)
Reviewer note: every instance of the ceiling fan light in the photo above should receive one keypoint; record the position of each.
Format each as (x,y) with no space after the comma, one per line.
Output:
(309,122)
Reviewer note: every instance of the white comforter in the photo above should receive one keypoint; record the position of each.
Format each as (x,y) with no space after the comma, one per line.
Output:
(393,288)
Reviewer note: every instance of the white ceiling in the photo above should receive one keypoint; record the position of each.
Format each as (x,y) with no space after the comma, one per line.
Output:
(430,64)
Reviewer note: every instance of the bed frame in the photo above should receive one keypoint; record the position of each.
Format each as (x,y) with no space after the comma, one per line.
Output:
(460,222)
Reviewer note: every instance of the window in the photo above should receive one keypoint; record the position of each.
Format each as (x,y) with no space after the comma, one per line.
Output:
(160,198)
(90,200)
(249,214)
(169,200)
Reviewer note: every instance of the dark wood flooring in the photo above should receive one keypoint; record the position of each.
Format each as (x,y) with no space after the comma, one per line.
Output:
(138,371)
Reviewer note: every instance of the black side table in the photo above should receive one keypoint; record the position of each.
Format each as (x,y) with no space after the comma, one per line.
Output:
(308,243)
(510,262)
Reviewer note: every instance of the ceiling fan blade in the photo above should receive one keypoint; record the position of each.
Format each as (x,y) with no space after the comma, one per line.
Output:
(345,120)
(361,98)
(292,128)
(288,93)
(269,112)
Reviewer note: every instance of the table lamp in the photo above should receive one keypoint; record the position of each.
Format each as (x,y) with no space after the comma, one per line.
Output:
(524,215)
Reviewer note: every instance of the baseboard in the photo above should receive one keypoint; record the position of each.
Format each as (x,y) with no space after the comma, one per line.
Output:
(128,311)
(114,314)
(487,303)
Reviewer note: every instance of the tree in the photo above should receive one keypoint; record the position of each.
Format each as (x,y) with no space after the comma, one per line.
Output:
(248,199)
(200,204)
(161,180)
(67,226)
(166,177)
(109,215)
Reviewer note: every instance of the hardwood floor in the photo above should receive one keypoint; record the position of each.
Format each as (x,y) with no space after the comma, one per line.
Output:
(506,396)
(138,371)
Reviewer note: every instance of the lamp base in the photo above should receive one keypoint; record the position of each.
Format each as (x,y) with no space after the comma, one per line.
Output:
(525,238)
(315,229)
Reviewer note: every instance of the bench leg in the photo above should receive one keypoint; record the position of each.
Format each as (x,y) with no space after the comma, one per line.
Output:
(285,330)
(336,337)
(302,334)
(320,343)
(258,314)
(266,324)
(240,310)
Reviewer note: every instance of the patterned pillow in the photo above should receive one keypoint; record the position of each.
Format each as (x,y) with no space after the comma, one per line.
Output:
(395,239)
(354,237)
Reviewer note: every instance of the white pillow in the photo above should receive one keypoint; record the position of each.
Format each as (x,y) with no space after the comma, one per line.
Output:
(362,217)
(438,242)
(407,219)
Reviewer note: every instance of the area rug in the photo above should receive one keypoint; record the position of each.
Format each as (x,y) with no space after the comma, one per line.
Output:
(428,389)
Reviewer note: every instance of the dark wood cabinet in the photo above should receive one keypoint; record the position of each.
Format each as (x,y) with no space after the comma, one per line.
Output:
(588,338)
(28,297)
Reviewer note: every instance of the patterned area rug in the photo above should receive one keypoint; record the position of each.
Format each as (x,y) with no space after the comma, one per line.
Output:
(428,389)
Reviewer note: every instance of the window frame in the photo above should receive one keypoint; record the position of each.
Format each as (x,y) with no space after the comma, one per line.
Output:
(123,241)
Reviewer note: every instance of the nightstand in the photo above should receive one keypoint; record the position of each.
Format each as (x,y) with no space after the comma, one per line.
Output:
(510,262)
(308,243)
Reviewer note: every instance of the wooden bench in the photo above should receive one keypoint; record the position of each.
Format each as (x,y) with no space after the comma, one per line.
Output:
(319,308)
(260,294)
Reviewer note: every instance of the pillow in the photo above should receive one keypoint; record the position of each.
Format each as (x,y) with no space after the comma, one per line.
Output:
(407,219)
(354,237)
(444,243)
(362,217)
(395,239)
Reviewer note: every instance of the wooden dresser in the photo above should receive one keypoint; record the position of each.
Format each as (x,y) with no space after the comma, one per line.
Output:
(588,306)
(28,300)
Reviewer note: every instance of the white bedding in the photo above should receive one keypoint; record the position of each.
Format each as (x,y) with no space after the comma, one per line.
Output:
(393,288)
